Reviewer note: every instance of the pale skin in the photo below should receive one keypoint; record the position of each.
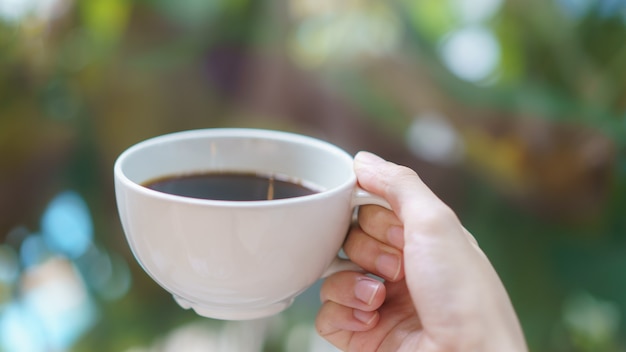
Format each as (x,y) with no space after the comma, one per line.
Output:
(440,292)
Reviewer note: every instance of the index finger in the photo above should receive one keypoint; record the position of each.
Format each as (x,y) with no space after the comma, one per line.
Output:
(411,200)
(382,224)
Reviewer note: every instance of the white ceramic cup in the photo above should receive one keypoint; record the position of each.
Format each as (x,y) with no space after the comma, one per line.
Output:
(237,260)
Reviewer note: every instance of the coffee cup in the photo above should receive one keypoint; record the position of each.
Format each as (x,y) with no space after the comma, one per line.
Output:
(238,259)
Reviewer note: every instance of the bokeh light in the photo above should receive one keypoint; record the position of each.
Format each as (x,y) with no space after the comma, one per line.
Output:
(55,294)
(9,265)
(66,225)
(52,312)
(471,53)
(21,330)
(34,251)
(341,33)
(14,11)
(576,8)
(433,138)
(475,11)
(106,273)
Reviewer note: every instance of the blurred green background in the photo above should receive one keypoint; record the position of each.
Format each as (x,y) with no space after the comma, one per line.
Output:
(514,112)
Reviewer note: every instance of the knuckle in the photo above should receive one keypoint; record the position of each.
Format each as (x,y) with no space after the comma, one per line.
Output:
(352,243)
(323,324)
(401,184)
(397,174)
(373,219)
(436,218)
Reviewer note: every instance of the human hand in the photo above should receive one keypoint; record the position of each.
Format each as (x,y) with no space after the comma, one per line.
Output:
(440,292)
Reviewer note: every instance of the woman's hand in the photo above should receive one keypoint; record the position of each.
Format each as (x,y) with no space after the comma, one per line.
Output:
(440,292)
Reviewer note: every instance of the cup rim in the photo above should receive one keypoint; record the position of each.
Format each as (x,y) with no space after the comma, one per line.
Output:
(119,174)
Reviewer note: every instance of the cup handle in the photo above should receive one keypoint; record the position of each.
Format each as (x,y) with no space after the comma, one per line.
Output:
(359,197)
(363,197)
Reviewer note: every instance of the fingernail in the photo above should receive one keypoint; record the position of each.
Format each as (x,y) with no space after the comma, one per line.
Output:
(368,158)
(365,289)
(388,265)
(365,317)
(395,236)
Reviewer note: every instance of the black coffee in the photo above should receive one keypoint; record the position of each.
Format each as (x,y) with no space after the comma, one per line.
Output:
(230,186)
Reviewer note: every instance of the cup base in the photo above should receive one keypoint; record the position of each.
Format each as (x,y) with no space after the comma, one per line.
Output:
(232,313)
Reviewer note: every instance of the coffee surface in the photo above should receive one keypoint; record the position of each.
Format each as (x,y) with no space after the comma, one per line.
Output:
(233,186)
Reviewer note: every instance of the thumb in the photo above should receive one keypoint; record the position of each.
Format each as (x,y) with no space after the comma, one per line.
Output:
(408,196)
